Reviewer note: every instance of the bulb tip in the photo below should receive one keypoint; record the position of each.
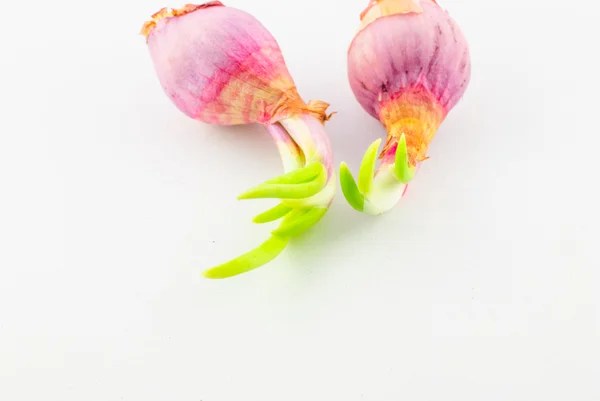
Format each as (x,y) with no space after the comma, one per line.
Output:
(166,13)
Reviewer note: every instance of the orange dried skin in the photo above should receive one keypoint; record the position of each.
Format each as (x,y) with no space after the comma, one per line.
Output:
(167,12)
(383,8)
(414,114)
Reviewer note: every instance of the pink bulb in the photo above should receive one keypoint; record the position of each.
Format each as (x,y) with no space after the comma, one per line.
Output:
(220,65)
(411,61)
(408,66)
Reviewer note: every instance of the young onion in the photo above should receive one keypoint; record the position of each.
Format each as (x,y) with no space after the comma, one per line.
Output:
(408,66)
(220,65)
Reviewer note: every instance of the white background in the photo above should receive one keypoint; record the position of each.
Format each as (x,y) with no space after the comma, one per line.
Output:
(482,284)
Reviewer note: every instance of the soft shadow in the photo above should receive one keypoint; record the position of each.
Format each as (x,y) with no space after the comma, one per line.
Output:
(339,224)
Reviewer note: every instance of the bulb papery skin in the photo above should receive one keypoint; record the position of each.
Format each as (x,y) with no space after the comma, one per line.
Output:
(408,66)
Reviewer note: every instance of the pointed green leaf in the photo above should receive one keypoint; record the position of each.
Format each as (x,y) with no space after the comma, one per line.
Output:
(349,188)
(257,257)
(403,172)
(288,191)
(304,174)
(272,214)
(367,168)
(300,223)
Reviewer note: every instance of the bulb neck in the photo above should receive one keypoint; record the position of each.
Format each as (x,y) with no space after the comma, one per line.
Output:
(416,115)
(302,140)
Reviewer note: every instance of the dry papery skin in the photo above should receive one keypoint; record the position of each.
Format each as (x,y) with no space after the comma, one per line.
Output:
(381,8)
(165,13)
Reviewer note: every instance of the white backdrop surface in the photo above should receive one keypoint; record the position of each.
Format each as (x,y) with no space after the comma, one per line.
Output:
(481,285)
